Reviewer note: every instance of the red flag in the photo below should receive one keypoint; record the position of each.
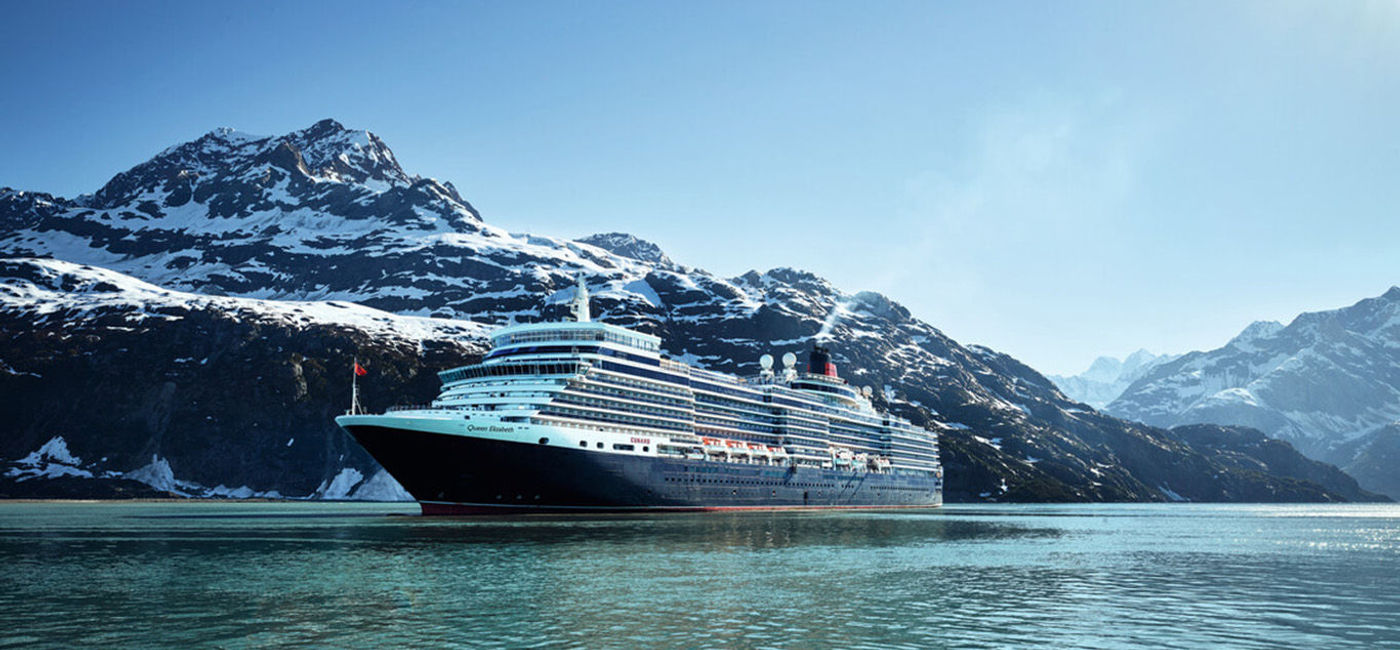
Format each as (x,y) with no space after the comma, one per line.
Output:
(360,370)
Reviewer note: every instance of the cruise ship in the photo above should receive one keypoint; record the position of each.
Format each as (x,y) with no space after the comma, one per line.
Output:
(580,416)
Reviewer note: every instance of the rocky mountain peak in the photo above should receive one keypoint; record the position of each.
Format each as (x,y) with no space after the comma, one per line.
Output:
(181,163)
(1260,329)
(334,152)
(879,305)
(326,128)
(795,278)
(324,151)
(1138,358)
(1104,369)
(629,246)
(1108,377)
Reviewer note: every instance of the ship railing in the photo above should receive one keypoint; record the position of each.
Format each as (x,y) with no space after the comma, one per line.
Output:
(675,366)
(412,407)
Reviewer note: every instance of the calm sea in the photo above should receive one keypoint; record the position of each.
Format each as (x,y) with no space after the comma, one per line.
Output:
(370,575)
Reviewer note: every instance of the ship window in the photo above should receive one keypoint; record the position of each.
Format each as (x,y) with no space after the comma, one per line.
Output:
(645,449)
(600,445)
(622,447)
(583,443)
(544,441)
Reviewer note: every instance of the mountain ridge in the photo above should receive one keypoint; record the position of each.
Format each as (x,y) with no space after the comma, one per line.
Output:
(252,221)
(1326,382)
(1107,377)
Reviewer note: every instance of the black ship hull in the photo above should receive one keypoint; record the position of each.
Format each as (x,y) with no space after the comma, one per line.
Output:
(454,474)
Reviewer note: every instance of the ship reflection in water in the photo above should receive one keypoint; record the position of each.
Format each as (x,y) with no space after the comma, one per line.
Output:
(144,574)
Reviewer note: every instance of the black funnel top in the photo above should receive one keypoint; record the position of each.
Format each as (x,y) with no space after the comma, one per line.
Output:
(819,362)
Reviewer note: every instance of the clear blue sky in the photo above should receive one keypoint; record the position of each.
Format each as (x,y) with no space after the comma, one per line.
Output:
(1056,180)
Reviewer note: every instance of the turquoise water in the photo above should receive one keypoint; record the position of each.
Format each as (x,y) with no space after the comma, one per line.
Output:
(260,574)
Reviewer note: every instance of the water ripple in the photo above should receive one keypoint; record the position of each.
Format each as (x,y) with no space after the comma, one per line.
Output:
(251,575)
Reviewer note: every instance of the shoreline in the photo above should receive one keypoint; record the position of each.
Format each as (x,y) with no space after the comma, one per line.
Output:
(187,500)
(95,500)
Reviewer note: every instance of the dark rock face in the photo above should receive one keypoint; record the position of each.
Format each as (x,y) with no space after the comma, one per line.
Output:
(1250,450)
(1329,382)
(326,214)
(1373,459)
(215,394)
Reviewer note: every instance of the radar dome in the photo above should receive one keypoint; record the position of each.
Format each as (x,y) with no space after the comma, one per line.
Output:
(789,360)
(766,362)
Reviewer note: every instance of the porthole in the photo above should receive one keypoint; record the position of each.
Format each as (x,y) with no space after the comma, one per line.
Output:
(544,441)
(583,443)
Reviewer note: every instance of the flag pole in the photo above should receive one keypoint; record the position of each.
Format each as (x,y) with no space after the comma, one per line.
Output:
(354,387)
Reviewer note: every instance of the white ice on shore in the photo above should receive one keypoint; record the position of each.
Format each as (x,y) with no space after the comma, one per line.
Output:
(158,475)
(339,487)
(381,487)
(56,450)
(53,459)
(50,460)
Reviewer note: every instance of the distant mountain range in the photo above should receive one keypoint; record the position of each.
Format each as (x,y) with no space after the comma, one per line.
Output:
(1108,377)
(189,329)
(1328,382)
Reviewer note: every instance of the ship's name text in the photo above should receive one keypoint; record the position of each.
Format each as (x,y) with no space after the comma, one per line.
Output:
(490,429)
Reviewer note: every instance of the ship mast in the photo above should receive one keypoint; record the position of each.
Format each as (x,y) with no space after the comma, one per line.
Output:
(579,306)
(355,387)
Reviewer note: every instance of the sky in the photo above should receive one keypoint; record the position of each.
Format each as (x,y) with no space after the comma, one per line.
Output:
(1056,180)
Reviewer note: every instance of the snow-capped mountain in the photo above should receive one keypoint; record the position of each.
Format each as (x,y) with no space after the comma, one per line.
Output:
(261,243)
(143,388)
(1327,383)
(1108,377)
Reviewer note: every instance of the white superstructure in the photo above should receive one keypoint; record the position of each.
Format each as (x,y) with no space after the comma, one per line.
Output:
(591,385)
